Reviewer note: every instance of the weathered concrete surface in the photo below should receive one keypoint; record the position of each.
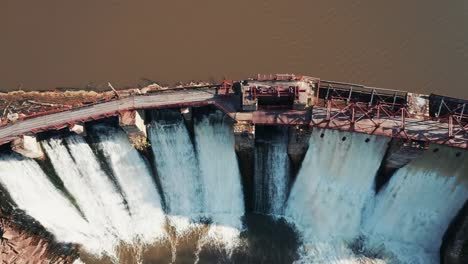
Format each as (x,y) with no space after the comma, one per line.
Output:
(454,249)
(186,113)
(278,117)
(244,134)
(399,153)
(298,145)
(28,146)
(133,123)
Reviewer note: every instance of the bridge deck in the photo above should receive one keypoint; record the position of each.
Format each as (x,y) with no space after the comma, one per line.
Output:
(111,108)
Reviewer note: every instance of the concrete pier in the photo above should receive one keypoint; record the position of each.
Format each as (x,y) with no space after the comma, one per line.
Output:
(186,113)
(244,134)
(399,153)
(133,123)
(28,146)
(298,145)
(78,128)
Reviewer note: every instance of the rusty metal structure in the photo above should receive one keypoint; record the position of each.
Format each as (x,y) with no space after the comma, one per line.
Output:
(285,99)
(360,107)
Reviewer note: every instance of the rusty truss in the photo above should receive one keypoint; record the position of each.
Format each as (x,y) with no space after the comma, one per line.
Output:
(388,113)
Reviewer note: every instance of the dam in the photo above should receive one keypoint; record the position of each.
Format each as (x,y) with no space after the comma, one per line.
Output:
(202,174)
(286,100)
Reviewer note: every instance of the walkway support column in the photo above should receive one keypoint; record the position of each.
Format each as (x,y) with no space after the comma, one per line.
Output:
(399,153)
(78,128)
(298,144)
(133,123)
(244,134)
(28,146)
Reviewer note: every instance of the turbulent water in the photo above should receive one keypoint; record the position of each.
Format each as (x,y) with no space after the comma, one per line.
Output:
(91,188)
(331,190)
(33,192)
(206,184)
(177,168)
(221,180)
(182,201)
(412,212)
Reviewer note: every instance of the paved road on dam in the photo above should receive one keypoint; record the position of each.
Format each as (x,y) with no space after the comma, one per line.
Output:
(160,99)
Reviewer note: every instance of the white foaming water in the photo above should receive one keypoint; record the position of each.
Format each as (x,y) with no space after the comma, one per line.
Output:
(327,200)
(97,197)
(136,182)
(271,174)
(78,261)
(332,252)
(220,175)
(404,223)
(177,169)
(32,191)
(414,209)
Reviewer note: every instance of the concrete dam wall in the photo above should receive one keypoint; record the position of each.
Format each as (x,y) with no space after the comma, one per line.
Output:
(199,192)
(273,169)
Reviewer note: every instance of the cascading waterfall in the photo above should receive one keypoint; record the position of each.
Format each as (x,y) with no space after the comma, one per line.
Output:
(415,208)
(271,170)
(332,202)
(136,182)
(220,175)
(32,191)
(177,168)
(328,198)
(81,174)
(201,183)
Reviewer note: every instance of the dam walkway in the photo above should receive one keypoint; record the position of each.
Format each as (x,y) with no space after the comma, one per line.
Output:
(353,119)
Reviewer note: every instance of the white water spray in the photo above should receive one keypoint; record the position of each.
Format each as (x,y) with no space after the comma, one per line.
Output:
(177,169)
(97,197)
(327,200)
(332,202)
(221,181)
(136,182)
(414,209)
(32,191)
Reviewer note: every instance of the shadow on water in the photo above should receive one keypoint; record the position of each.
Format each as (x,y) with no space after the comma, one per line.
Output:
(265,240)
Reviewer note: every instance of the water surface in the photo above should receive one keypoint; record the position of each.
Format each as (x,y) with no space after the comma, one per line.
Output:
(418,45)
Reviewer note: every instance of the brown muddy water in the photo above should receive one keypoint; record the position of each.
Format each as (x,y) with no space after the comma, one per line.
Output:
(419,46)
(265,240)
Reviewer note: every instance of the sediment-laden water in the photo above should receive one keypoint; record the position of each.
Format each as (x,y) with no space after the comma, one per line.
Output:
(182,199)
